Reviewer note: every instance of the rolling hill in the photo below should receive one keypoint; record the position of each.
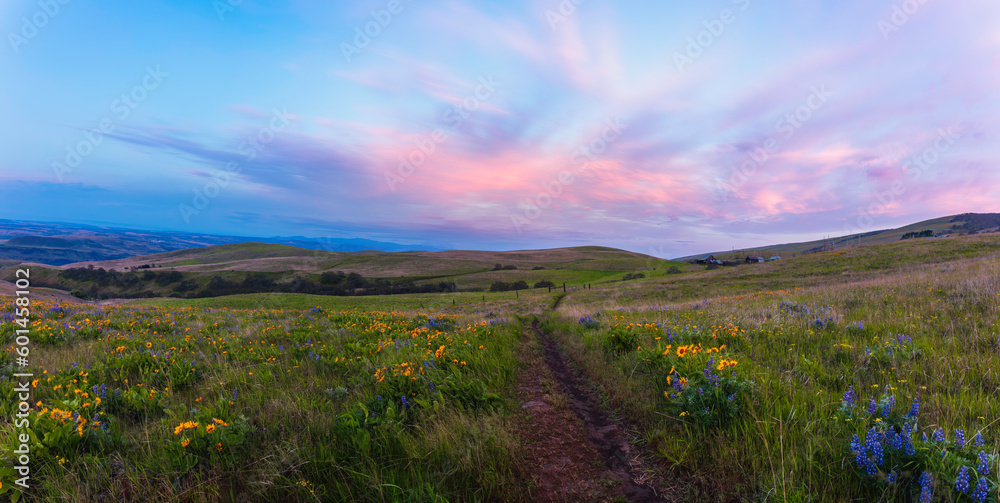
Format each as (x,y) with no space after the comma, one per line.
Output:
(966,223)
(261,266)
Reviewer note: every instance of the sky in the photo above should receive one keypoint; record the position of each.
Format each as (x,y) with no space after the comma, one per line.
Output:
(667,128)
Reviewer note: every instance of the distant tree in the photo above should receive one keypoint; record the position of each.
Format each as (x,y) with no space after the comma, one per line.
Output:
(545,284)
(499,286)
(332,278)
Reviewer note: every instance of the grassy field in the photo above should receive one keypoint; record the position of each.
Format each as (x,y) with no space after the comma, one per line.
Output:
(470,271)
(148,403)
(770,412)
(810,379)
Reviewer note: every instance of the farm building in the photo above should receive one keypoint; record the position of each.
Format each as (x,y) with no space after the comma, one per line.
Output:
(755,260)
(709,260)
(772,259)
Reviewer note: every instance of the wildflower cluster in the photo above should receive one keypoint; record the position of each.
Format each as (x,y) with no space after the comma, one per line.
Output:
(891,447)
(896,346)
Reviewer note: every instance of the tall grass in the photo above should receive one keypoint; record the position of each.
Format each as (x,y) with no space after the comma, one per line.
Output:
(789,443)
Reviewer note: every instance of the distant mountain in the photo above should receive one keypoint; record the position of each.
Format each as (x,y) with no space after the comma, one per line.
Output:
(56,243)
(966,223)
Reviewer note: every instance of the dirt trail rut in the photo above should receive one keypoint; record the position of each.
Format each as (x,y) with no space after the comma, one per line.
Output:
(595,448)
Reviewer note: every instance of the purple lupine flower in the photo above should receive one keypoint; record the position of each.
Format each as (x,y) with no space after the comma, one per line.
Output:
(874,445)
(872,407)
(892,477)
(978,440)
(849,397)
(982,489)
(897,442)
(984,467)
(234,394)
(677,383)
(926,481)
(870,468)
(915,409)
(962,481)
(889,404)
(938,435)
(960,438)
(709,375)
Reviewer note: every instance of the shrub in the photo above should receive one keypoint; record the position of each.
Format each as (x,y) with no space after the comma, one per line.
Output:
(619,341)
(545,284)
(499,286)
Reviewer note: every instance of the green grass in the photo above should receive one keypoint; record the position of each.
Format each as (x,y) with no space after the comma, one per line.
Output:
(787,440)
(446,302)
(319,404)
(302,428)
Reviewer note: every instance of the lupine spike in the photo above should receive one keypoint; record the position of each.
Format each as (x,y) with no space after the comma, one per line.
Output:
(926,483)
(962,481)
(982,489)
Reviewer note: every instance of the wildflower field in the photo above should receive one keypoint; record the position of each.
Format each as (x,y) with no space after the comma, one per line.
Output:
(882,389)
(801,381)
(202,404)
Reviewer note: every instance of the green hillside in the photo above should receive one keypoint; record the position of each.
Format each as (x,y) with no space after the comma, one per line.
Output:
(260,267)
(967,223)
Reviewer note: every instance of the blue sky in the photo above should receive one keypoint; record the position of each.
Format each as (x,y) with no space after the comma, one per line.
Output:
(653,127)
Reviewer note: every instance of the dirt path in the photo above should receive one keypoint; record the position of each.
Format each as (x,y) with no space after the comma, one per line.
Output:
(577,452)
